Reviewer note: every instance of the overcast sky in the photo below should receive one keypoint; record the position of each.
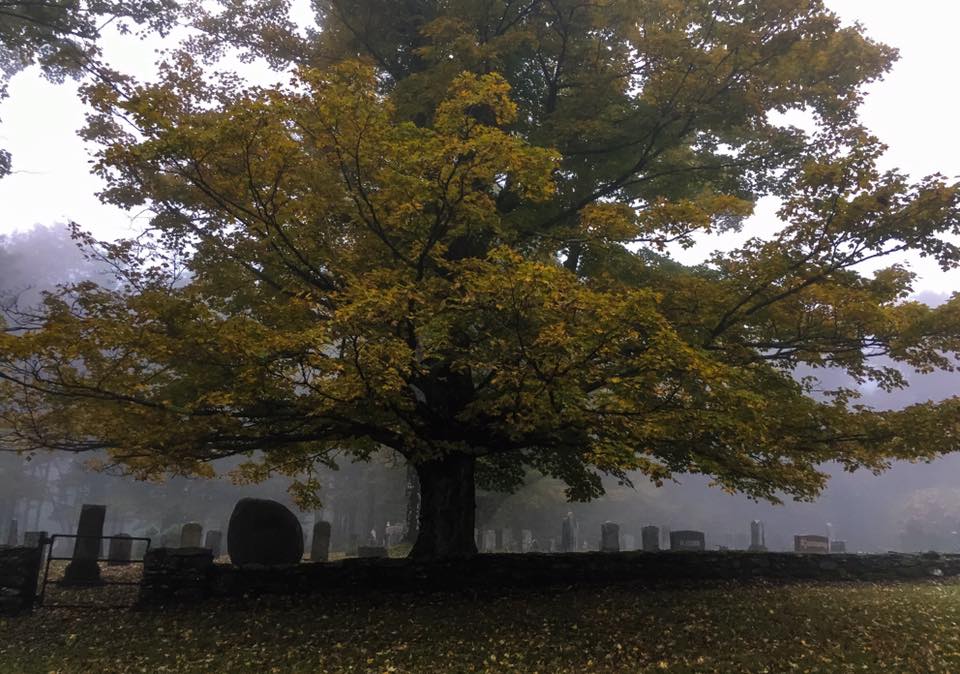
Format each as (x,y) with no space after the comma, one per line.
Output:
(913,110)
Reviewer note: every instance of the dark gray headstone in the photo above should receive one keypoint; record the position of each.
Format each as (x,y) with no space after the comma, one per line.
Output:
(120,550)
(371,551)
(83,568)
(609,537)
(320,545)
(809,543)
(213,542)
(688,540)
(650,538)
(498,539)
(191,535)
(758,541)
(262,531)
(838,546)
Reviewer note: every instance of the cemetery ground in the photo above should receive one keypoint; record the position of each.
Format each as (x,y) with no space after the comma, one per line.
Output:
(703,627)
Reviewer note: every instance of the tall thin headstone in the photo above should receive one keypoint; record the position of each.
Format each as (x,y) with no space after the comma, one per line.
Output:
(83,568)
(213,542)
(320,546)
(758,541)
(567,541)
(526,540)
(609,537)
(191,535)
(650,538)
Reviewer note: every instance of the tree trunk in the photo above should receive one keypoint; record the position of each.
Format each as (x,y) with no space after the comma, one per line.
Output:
(413,505)
(447,508)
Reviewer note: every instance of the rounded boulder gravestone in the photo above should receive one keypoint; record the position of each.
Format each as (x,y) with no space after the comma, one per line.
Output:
(263,532)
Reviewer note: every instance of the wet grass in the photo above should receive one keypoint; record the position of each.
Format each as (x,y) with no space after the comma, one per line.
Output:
(730,628)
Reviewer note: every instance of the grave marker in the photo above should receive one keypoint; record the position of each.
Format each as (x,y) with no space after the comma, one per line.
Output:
(320,546)
(609,537)
(83,568)
(265,532)
(839,547)
(687,540)
(13,534)
(567,541)
(213,542)
(191,535)
(650,538)
(758,542)
(809,543)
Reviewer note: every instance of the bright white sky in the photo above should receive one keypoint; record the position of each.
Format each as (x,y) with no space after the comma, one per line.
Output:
(913,110)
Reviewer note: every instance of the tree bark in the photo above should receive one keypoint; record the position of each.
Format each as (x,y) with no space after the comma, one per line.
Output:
(447,508)
(413,505)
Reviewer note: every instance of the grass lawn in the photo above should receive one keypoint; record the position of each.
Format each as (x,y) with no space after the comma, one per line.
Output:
(730,628)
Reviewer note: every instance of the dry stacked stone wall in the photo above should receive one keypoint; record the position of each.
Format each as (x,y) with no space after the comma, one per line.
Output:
(19,571)
(179,576)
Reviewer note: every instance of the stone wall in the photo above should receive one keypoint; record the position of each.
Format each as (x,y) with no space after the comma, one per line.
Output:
(177,576)
(19,574)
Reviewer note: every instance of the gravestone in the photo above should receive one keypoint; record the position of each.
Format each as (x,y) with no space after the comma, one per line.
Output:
(650,538)
(687,540)
(552,545)
(758,541)
(609,537)
(191,535)
(567,541)
(489,540)
(320,545)
(665,538)
(34,539)
(393,533)
(812,544)
(264,532)
(371,551)
(13,534)
(526,540)
(838,546)
(498,540)
(83,568)
(629,543)
(119,550)
(213,541)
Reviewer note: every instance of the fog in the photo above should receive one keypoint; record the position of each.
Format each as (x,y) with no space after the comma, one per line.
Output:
(910,507)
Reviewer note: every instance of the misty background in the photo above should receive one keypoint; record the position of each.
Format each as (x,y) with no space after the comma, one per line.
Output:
(911,507)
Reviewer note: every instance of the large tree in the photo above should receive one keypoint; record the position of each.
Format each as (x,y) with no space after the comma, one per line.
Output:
(448,235)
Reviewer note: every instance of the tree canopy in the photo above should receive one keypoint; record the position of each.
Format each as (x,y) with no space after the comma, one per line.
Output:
(448,234)
(62,36)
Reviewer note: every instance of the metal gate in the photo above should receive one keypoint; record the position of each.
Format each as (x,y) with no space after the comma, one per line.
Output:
(90,594)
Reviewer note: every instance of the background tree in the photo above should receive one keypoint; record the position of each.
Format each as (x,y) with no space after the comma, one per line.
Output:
(62,36)
(454,248)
